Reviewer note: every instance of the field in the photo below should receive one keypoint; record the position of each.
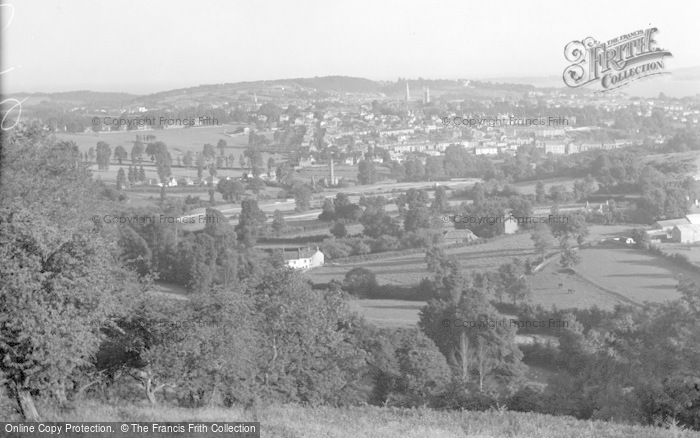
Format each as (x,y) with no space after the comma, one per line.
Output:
(636,275)
(184,139)
(388,313)
(292,421)
(692,251)
(410,269)
(607,275)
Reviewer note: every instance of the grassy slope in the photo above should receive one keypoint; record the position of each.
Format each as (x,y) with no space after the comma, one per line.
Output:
(295,421)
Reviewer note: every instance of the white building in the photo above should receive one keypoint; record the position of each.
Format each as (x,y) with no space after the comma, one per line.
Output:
(304,259)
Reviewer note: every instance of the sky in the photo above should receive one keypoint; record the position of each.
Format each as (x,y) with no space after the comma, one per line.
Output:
(148,46)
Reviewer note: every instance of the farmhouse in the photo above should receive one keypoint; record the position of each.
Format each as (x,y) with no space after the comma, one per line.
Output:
(304,259)
(458,236)
(510,225)
(689,233)
(667,226)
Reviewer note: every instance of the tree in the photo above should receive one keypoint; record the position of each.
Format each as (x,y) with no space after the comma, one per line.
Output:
(570,257)
(188,160)
(307,354)
(440,203)
(249,223)
(270,164)
(338,230)
(121,179)
(483,354)
(131,175)
(255,159)
(302,197)
(120,153)
(278,223)
(327,211)
(511,280)
(584,189)
(103,153)
(91,155)
(60,283)
(379,224)
(641,238)
(367,173)
(417,217)
(360,282)
(222,146)
(142,174)
(540,193)
(212,170)
(542,238)
(137,151)
(568,228)
(163,161)
(208,152)
(231,189)
(255,185)
(200,165)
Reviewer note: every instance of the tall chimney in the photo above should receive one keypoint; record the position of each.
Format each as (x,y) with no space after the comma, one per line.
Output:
(332,174)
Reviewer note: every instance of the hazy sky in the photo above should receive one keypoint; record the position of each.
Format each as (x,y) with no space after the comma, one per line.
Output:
(150,46)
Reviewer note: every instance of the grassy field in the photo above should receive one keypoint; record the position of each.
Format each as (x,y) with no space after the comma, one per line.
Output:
(184,139)
(636,275)
(292,421)
(388,313)
(692,251)
(608,275)
(409,269)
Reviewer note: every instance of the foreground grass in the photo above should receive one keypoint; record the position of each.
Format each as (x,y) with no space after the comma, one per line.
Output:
(288,421)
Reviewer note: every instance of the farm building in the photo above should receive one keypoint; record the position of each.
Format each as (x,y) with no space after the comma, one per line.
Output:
(304,259)
(510,225)
(667,226)
(689,233)
(458,236)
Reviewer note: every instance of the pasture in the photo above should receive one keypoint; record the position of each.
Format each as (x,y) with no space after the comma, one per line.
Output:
(636,275)
(410,269)
(184,139)
(388,313)
(608,274)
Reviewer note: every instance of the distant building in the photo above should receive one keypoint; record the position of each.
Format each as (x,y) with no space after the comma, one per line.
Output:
(458,236)
(555,147)
(486,151)
(510,225)
(333,181)
(689,233)
(211,180)
(304,259)
(426,95)
(408,92)
(667,225)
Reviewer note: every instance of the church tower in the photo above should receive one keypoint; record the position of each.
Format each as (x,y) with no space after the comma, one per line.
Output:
(408,93)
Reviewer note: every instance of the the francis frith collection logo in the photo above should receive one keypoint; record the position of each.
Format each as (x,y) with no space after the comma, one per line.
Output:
(615,63)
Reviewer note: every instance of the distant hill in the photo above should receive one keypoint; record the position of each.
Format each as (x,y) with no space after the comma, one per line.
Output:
(84,96)
(339,84)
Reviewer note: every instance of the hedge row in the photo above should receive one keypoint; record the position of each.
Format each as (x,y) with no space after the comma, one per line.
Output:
(392,254)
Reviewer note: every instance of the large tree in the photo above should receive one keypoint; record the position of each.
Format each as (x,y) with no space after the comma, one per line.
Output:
(251,220)
(60,284)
